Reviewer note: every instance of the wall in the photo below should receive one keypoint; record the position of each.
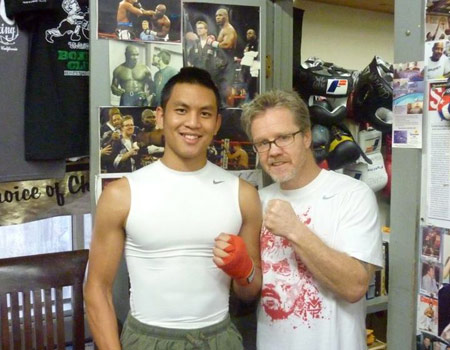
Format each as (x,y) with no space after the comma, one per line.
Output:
(345,36)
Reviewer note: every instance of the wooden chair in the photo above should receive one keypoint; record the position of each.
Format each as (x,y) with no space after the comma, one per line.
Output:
(28,321)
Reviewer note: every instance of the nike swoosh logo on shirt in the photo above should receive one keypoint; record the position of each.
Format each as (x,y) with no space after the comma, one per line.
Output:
(215,182)
(328,196)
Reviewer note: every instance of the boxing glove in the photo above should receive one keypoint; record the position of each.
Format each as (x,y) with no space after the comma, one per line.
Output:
(322,113)
(343,148)
(320,142)
(316,77)
(373,93)
(374,175)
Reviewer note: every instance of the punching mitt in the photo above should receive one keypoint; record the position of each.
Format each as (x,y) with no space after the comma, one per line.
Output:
(372,96)
(322,113)
(315,77)
(374,175)
(343,148)
(320,142)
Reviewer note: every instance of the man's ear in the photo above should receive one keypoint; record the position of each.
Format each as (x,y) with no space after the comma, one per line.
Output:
(307,138)
(218,124)
(159,117)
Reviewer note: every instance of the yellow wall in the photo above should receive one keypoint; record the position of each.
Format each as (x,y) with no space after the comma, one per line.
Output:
(345,36)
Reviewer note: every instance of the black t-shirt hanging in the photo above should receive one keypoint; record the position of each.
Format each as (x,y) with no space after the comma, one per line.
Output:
(57,91)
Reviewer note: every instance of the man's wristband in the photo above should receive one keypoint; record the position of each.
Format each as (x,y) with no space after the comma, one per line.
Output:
(247,280)
(251,277)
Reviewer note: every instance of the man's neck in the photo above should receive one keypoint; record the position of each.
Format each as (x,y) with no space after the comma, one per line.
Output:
(174,162)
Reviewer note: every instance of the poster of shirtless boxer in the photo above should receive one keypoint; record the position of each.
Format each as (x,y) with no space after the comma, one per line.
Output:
(139,72)
(140,20)
(129,139)
(223,39)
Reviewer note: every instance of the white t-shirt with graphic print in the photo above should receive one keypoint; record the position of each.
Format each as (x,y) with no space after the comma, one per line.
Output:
(295,312)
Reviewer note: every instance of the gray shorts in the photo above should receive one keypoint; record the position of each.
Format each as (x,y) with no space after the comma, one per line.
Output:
(221,336)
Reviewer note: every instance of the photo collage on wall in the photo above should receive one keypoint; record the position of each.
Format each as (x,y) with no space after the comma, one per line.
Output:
(433,318)
(149,42)
(433,302)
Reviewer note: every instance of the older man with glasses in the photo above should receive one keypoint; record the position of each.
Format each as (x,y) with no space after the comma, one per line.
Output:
(321,238)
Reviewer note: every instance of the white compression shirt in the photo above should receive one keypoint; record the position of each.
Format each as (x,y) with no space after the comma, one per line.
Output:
(173,220)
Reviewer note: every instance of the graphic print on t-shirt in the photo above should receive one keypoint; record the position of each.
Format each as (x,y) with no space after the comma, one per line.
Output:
(289,291)
(74,24)
(9,31)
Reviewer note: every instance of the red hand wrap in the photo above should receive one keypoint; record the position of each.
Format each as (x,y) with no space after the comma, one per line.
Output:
(238,265)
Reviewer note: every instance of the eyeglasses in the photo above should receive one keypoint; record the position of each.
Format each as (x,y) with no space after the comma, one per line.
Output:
(280,141)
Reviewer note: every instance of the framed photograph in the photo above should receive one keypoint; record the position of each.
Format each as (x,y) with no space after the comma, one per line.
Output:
(129,139)
(139,21)
(224,40)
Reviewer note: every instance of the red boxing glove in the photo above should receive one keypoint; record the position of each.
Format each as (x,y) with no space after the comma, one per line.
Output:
(238,265)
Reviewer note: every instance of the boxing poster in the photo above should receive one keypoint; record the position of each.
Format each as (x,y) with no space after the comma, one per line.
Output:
(140,21)
(224,40)
(139,72)
(129,139)
(231,148)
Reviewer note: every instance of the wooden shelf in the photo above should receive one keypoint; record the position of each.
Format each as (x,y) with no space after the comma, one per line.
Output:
(377,304)
(386,6)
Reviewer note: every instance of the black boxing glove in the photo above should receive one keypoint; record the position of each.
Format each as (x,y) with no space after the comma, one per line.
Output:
(137,5)
(343,148)
(320,142)
(323,114)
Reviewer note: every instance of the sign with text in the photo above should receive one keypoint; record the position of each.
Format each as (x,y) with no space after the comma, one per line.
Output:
(26,201)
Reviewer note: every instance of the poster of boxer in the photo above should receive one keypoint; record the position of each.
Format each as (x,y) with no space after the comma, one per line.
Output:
(223,39)
(143,20)
(139,72)
(231,148)
(129,139)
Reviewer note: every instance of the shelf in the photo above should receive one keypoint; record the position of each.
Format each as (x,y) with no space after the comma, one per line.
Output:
(377,304)
(386,6)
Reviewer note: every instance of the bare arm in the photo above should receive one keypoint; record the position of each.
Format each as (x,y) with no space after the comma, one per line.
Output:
(345,276)
(250,231)
(148,13)
(138,11)
(165,27)
(115,84)
(104,257)
(229,38)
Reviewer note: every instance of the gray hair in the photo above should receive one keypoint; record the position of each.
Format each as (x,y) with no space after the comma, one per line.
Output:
(276,99)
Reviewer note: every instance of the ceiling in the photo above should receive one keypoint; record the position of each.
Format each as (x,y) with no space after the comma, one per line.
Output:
(372,5)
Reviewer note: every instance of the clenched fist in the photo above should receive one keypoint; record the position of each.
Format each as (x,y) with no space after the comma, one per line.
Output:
(280,218)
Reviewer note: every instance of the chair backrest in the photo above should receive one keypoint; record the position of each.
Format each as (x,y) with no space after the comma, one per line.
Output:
(31,300)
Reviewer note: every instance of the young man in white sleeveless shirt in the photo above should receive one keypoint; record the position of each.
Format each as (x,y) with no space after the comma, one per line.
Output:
(188,229)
